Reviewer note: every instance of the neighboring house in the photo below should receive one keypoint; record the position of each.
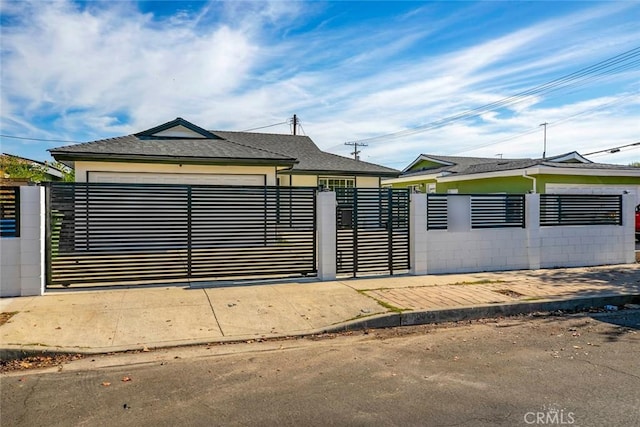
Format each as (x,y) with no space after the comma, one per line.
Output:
(16,170)
(567,173)
(183,153)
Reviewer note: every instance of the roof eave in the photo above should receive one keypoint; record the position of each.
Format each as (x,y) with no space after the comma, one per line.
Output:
(541,170)
(422,157)
(337,172)
(68,156)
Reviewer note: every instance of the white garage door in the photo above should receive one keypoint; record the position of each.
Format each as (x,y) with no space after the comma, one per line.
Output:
(593,189)
(175,178)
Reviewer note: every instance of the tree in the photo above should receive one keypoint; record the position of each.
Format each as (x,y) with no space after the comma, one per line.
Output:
(17,168)
(635,164)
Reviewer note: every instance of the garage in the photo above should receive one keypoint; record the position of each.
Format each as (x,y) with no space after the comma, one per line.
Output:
(175,178)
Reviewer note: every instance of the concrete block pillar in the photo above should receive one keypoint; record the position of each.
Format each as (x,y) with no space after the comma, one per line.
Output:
(23,258)
(32,240)
(326,223)
(418,234)
(532,224)
(628,222)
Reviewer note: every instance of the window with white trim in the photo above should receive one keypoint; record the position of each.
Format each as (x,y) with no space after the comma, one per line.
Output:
(332,183)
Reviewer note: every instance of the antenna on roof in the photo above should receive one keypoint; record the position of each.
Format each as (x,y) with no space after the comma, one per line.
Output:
(294,121)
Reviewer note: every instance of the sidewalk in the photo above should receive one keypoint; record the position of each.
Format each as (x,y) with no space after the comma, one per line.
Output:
(99,321)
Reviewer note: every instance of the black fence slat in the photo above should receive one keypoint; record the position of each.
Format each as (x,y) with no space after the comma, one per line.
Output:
(497,210)
(437,208)
(138,232)
(9,211)
(372,230)
(579,209)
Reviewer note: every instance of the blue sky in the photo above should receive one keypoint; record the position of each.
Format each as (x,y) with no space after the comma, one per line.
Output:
(386,73)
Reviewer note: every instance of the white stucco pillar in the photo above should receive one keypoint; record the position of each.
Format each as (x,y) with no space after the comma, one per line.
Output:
(326,223)
(532,224)
(418,234)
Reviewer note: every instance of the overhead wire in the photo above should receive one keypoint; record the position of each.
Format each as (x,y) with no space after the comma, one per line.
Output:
(608,153)
(581,76)
(38,139)
(550,124)
(264,127)
(613,149)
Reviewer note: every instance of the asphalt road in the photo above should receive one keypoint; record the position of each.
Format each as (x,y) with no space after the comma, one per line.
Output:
(573,370)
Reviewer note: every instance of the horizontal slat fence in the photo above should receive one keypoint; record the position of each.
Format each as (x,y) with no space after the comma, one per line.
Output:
(437,212)
(497,210)
(148,233)
(9,211)
(580,209)
(373,231)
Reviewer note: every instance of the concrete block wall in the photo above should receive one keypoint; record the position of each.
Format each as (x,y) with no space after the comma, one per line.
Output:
(22,259)
(461,249)
(477,250)
(577,246)
(588,245)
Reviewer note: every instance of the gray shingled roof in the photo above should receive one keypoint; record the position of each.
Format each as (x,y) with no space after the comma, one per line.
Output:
(134,146)
(310,157)
(299,153)
(473,165)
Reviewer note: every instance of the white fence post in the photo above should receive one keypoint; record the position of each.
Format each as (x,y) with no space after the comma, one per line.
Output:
(23,257)
(532,224)
(32,240)
(418,234)
(326,223)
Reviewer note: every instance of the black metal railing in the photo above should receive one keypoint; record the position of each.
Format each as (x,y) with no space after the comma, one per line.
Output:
(497,210)
(372,230)
(437,212)
(9,211)
(154,232)
(580,209)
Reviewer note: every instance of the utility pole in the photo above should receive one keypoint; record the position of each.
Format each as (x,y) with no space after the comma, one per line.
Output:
(355,146)
(544,150)
(295,124)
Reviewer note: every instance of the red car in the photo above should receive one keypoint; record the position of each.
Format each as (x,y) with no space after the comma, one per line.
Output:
(638,222)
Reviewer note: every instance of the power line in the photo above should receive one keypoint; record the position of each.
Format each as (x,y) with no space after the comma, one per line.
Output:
(551,124)
(615,152)
(264,127)
(614,149)
(38,139)
(616,63)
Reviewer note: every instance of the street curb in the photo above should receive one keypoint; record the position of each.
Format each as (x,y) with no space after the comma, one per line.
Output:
(422,317)
(385,320)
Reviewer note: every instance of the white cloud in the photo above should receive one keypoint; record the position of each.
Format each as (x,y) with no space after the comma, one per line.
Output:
(108,69)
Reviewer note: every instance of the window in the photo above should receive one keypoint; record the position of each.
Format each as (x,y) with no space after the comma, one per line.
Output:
(333,183)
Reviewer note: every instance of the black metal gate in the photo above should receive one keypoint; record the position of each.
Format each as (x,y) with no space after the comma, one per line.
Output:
(372,231)
(144,233)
